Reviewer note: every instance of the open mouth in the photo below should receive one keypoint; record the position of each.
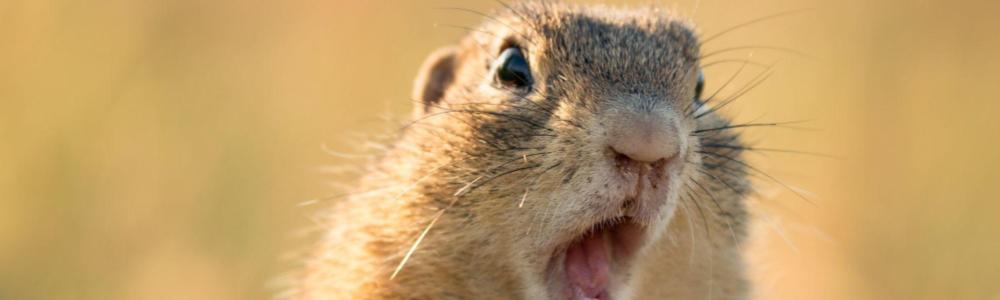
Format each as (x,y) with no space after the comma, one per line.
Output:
(592,260)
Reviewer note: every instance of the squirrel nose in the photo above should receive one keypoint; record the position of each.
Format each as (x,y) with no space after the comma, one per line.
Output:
(644,138)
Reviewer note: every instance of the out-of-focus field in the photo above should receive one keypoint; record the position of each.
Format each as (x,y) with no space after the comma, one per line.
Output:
(160,149)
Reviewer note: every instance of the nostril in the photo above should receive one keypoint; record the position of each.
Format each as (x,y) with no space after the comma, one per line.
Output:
(621,160)
(624,162)
(661,164)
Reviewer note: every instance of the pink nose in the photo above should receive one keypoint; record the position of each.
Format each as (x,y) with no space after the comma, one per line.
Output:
(644,138)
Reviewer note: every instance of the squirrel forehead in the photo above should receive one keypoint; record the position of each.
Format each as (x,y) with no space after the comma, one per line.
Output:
(610,45)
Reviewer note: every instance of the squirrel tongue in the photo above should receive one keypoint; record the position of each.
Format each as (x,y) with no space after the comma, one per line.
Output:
(587,267)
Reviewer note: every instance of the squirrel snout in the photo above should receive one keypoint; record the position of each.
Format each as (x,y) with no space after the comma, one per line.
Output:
(644,139)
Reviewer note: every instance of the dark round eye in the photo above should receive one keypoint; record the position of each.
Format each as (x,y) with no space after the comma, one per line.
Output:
(513,70)
(700,86)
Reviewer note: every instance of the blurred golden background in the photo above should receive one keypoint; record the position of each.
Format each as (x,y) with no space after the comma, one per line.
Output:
(160,149)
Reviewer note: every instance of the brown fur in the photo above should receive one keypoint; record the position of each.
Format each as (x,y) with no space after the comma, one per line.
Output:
(474,152)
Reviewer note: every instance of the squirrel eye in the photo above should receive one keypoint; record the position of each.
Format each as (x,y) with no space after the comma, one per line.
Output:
(513,70)
(700,86)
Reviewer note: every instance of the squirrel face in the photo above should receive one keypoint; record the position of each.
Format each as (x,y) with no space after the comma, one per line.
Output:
(576,138)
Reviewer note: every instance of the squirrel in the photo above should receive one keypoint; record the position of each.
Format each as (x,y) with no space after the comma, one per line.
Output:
(557,152)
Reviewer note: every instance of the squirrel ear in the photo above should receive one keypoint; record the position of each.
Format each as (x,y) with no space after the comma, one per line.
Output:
(433,80)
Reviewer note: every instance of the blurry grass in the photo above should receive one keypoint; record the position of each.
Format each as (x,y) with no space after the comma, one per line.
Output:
(158,149)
